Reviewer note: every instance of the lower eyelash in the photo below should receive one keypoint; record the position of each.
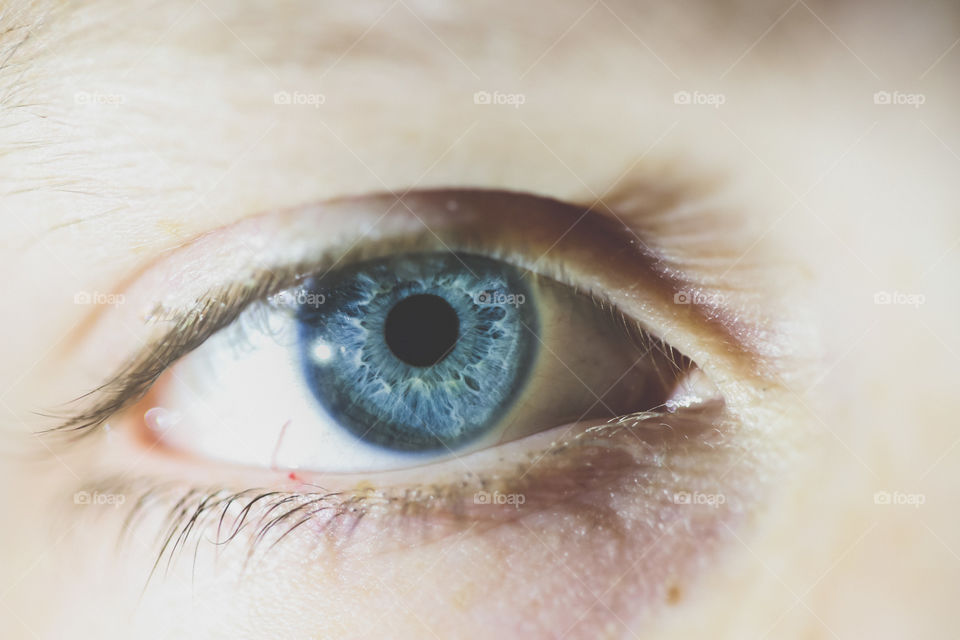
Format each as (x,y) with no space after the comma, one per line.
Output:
(595,459)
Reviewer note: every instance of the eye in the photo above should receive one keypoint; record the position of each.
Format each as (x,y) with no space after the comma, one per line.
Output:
(383,374)
(405,359)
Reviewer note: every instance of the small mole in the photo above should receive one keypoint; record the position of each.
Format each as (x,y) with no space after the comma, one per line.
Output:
(674,594)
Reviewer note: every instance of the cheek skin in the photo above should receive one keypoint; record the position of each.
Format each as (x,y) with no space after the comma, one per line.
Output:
(600,537)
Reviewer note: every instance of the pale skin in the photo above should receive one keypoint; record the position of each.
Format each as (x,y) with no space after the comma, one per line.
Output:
(799,161)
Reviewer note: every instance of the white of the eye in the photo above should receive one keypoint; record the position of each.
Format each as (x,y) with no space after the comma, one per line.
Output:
(241,397)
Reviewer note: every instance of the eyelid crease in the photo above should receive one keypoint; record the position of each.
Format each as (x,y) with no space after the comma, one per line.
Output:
(215,309)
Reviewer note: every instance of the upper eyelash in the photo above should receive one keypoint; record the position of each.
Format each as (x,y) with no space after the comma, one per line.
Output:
(218,309)
(188,331)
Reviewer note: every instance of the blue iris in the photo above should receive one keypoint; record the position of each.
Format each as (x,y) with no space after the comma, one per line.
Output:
(418,352)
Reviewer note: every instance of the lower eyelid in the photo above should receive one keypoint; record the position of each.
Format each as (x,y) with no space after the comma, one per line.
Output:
(576,470)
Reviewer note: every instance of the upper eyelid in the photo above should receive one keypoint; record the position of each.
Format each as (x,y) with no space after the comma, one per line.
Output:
(191,325)
(615,233)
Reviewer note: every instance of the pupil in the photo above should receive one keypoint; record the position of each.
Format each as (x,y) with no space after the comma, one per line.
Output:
(422,329)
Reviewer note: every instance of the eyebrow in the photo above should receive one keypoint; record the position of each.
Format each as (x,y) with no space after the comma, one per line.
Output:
(315,32)
(23,28)
(29,29)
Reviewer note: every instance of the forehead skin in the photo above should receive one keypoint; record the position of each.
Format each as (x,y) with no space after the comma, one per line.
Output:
(128,128)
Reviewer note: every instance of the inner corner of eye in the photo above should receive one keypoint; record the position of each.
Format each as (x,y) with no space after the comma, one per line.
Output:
(401,360)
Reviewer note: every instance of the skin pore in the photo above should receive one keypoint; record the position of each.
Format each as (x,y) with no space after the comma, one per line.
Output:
(795,161)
